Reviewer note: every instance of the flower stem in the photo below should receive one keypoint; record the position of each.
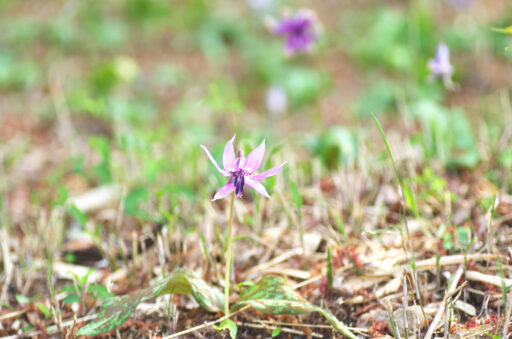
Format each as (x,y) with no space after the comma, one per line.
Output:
(228,255)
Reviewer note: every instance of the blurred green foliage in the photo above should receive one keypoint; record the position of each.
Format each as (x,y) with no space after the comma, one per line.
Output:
(447,134)
(153,79)
(335,146)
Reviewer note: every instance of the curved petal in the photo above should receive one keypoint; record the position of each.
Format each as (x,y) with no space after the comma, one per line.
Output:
(224,191)
(443,54)
(224,173)
(255,158)
(229,157)
(258,187)
(269,173)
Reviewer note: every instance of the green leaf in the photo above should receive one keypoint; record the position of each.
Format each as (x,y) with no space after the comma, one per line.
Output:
(99,291)
(134,200)
(72,298)
(116,310)
(271,295)
(409,199)
(102,147)
(47,313)
(62,196)
(185,282)
(276,332)
(230,325)
(463,236)
(303,85)
(78,215)
(21,299)
(297,198)
(335,146)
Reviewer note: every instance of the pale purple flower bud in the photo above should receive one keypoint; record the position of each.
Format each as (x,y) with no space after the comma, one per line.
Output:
(277,101)
(260,5)
(440,66)
(460,4)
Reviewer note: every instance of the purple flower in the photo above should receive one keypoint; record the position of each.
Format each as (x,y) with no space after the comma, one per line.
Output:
(300,31)
(440,65)
(461,4)
(241,171)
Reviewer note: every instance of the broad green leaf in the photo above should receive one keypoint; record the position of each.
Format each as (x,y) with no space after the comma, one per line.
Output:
(116,310)
(230,325)
(185,282)
(272,296)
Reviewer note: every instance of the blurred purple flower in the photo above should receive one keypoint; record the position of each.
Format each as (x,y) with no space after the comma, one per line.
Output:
(260,5)
(300,30)
(277,100)
(241,171)
(461,4)
(440,66)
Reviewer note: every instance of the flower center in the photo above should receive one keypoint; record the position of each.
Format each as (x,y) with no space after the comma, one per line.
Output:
(299,28)
(239,181)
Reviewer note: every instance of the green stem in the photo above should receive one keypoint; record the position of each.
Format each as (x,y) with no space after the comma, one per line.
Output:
(228,255)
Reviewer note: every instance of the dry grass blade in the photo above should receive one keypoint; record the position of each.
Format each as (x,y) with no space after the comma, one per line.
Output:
(475,332)
(208,324)
(282,329)
(53,329)
(275,261)
(453,285)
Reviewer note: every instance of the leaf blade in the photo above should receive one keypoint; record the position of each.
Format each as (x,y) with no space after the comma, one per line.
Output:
(116,310)
(271,295)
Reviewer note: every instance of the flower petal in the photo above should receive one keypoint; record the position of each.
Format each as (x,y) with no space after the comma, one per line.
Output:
(269,173)
(224,173)
(443,54)
(255,158)
(258,187)
(229,156)
(224,191)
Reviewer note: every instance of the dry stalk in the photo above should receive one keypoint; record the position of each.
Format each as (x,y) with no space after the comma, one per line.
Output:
(283,329)
(405,303)
(208,324)
(508,310)
(54,329)
(8,265)
(437,318)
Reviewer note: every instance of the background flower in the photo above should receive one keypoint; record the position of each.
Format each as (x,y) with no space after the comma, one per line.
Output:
(301,31)
(440,65)
(277,100)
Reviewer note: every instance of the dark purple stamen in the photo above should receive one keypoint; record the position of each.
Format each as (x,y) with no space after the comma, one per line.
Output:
(299,28)
(239,182)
